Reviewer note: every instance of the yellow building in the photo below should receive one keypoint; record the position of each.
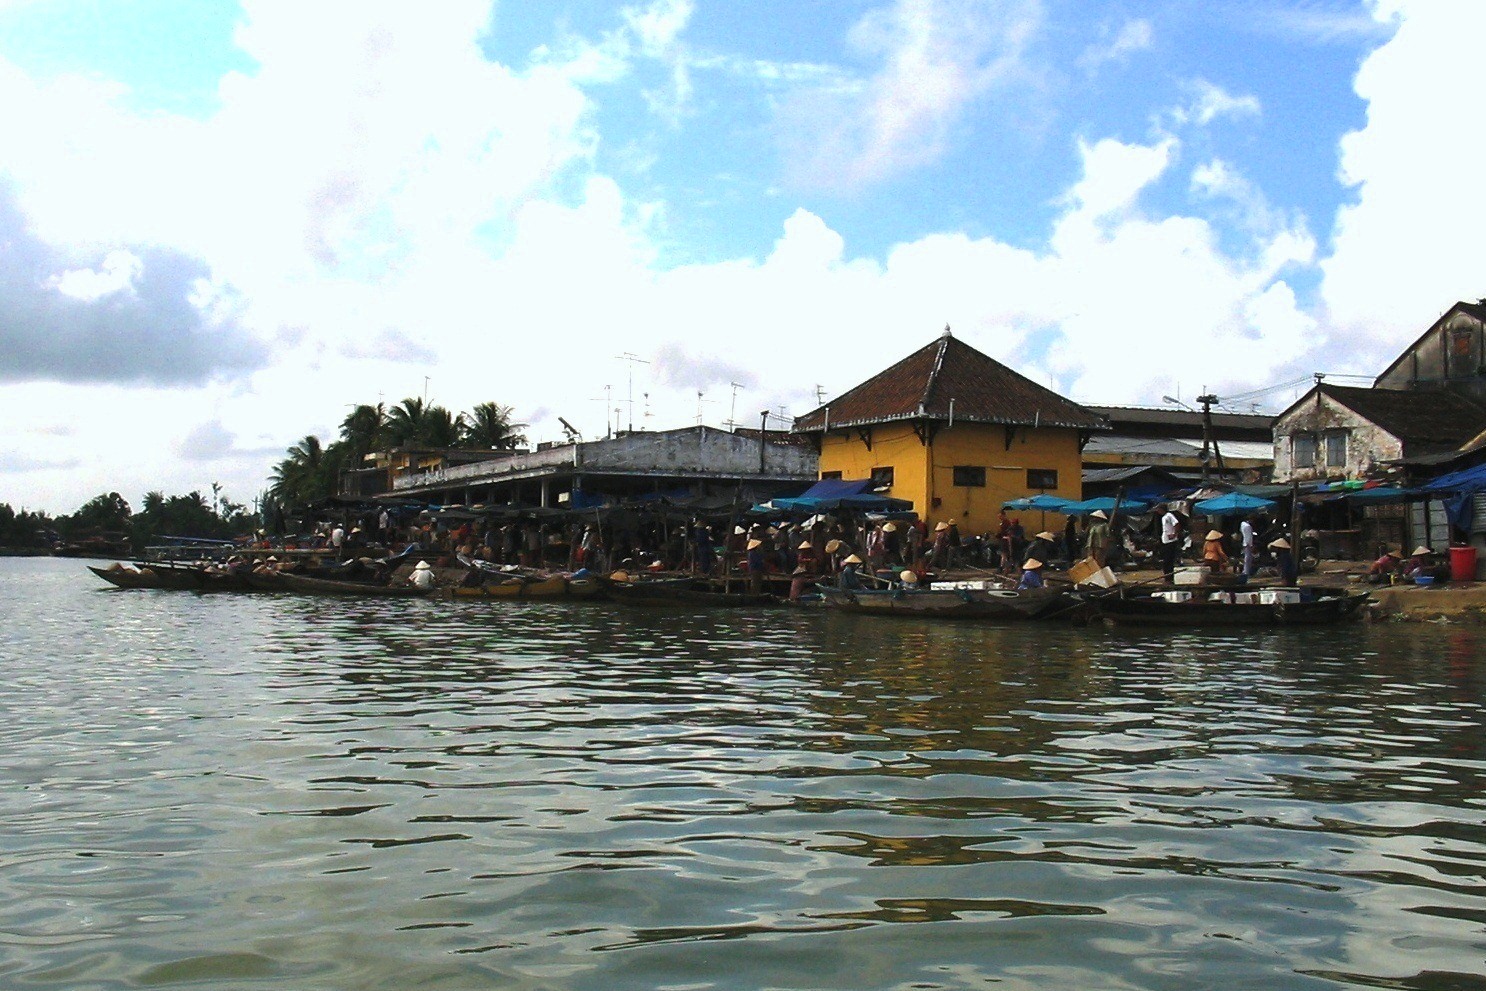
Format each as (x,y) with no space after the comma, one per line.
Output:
(956,433)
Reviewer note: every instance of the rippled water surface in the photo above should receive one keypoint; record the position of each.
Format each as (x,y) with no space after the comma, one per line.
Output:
(288,793)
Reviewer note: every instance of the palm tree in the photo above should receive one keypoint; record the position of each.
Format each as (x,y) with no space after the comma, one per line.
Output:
(442,428)
(405,422)
(299,478)
(364,430)
(489,426)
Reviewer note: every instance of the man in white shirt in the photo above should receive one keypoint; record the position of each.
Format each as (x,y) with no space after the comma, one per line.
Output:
(1171,541)
(1246,533)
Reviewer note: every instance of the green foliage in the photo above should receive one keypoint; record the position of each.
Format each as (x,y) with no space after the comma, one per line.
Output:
(310,471)
(108,513)
(489,426)
(24,530)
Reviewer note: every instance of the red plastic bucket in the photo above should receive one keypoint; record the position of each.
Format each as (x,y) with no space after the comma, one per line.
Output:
(1462,564)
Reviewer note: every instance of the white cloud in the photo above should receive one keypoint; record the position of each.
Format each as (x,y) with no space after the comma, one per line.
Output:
(1409,246)
(935,58)
(1208,102)
(1134,36)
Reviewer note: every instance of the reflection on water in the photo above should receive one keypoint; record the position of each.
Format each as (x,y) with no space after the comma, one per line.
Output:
(261,791)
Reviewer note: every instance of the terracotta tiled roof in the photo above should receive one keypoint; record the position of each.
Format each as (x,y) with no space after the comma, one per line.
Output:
(922,385)
(1422,418)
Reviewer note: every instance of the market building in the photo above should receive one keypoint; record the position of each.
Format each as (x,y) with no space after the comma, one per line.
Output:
(955,433)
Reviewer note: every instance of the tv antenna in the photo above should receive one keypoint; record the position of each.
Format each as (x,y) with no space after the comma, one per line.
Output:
(732,421)
(608,401)
(633,360)
(820,394)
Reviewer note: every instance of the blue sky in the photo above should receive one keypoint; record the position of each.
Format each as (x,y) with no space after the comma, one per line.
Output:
(225,222)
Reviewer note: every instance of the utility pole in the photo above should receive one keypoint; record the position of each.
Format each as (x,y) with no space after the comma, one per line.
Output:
(732,423)
(763,429)
(1207,400)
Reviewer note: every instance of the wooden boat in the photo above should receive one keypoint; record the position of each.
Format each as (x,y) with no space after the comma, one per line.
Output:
(326,586)
(529,587)
(176,577)
(1315,607)
(677,591)
(957,603)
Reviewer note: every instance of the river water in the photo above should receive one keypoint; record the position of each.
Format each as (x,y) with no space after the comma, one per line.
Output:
(255,791)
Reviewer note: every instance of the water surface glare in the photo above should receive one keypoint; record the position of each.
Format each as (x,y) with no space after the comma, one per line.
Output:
(288,793)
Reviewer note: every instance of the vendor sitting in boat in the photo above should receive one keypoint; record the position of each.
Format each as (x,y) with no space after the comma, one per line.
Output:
(1213,554)
(849,580)
(908,578)
(1031,574)
(422,575)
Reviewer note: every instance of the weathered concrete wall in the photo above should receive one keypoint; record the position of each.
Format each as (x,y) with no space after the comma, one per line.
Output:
(703,452)
(1367,444)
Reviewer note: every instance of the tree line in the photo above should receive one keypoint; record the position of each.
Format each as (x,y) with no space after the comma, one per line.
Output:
(109,515)
(310,470)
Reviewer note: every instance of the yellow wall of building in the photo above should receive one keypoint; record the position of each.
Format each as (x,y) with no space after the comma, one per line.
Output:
(921,480)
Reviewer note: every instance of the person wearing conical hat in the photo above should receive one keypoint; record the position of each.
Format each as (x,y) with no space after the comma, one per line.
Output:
(1044,546)
(1096,541)
(1284,560)
(754,563)
(805,557)
(1213,554)
(939,551)
(800,581)
(1386,569)
(1031,574)
(909,578)
(422,576)
(1421,563)
(849,580)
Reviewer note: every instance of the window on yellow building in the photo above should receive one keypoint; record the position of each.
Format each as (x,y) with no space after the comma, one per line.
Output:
(829,474)
(1042,478)
(882,478)
(971,476)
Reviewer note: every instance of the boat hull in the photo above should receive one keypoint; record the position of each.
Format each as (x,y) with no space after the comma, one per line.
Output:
(1145,610)
(969,604)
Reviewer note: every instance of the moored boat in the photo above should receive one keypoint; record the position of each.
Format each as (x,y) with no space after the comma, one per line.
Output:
(1269,607)
(682,590)
(948,603)
(326,586)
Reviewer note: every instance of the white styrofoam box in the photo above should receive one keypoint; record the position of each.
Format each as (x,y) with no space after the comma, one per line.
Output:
(1173,596)
(1190,576)
(1245,598)
(1271,596)
(974,586)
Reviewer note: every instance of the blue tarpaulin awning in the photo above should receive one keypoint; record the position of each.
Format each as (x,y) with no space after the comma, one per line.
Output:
(1042,500)
(1230,503)
(1106,504)
(840,493)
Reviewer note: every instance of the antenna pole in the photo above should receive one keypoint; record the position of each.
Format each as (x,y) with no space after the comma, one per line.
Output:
(632,359)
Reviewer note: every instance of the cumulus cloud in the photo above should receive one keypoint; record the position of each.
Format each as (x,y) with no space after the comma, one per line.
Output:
(146,315)
(1418,209)
(935,58)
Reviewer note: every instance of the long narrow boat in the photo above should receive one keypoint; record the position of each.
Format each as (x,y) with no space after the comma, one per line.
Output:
(957,603)
(1316,607)
(678,591)
(524,587)
(326,586)
(176,577)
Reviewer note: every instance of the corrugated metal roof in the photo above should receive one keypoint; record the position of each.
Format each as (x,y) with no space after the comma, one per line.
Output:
(949,371)
(1433,417)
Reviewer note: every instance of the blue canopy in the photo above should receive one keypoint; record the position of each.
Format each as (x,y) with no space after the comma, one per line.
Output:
(1042,500)
(1106,504)
(840,493)
(1469,480)
(1230,503)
